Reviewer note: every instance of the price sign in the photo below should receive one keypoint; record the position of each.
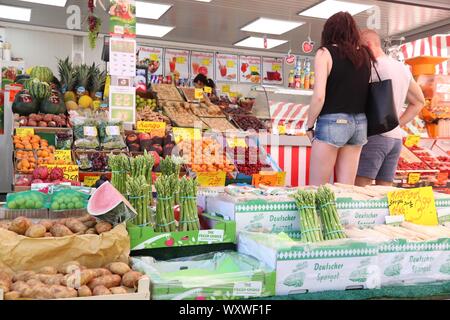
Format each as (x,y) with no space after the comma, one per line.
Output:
(90,181)
(155,128)
(413,178)
(417,205)
(230,63)
(24,132)
(211,179)
(186,134)
(71,171)
(254,69)
(198,94)
(412,140)
(206,62)
(282,129)
(276,67)
(267,179)
(236,142)
(207,89)
(181,60)
(226,88)
(154,57)
(233,94)
(281,179)
(64,155)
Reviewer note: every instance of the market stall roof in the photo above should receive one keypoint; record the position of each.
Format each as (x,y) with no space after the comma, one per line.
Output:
(218,23)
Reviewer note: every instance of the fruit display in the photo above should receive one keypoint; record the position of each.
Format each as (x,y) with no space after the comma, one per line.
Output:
(55,176)
(246,104)
(142,103)
(25,200)
(42,73)
(147,114)
(161,146)
(250,161)
(64,140)
(92,161)
(167,92)
(85,133)
(235,110)
(404,165)
(111,135)
(39,90)
(189,94)
(24,104)
(32,151)
(203,110)
(68,200)
(180,113)
(219,124)
(248,122)
(53,104)
(41,120)
(432,160)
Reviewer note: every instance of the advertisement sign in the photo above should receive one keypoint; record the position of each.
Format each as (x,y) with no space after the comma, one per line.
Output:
(122,18)
(250,69)
(226,67)
(177,63)
(202,62)
(122,104)
(273,70)
(150,58)
(122,57)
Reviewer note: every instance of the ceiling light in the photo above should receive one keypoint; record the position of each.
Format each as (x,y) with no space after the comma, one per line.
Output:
(15,13)
(57,3)
(256,42)
(271,26)
(152,30)
(203,0)
(150,10)
(327,8)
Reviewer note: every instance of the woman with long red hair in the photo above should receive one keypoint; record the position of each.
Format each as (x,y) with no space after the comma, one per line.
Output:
(337,125)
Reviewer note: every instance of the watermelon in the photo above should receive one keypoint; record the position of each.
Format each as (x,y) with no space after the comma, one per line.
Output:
(54,104)
(39,90)
(44,74)
(110,205)
(24,104)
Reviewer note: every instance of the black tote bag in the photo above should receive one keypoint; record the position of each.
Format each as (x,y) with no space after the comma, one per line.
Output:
(380,109)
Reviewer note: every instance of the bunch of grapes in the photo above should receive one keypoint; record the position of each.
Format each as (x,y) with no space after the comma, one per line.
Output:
(94,28)
(91,5)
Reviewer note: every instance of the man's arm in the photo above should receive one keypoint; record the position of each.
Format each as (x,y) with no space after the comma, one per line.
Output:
(416,102)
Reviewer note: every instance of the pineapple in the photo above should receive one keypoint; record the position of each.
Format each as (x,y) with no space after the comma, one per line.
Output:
(67,77)
(97,79)
(82,76)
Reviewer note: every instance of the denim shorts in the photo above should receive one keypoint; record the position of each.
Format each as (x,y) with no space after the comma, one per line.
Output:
(341,129)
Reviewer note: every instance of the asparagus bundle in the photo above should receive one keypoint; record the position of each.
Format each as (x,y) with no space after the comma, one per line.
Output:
(309,220)
(172,165)
(165,188)
(120,166)
(143,166)
(138,194)
(188,206)
(326,206)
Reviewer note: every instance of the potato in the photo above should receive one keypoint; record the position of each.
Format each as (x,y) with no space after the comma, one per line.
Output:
(91,231)
(61,292)
(20,225)
(18,286)
(47,224)
(48,270)
(77,280)
(99,272)
(107,281)
(118,290)
(13,295)
(84,291)
(5,285)
(103,226)
(101,291)
(48,235)
(119,268)
(69,267)
(5,225)
(87,218)
(51,279)
(41,292)
(59,230)
(131,279)
(24,276)
(90,224)
(5,276)
(34,282)
(36,231)
(76,226)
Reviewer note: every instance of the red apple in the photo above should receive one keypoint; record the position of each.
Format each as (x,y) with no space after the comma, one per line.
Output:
(144,136)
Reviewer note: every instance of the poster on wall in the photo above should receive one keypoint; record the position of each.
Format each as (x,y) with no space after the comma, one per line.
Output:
(250,69)
(122,104)
(122,57)
(177,63)
(273,70)
(150,58)
(122,18)
(226,67)
(202,62)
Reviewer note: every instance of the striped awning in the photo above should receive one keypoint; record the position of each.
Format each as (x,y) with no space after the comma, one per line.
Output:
(290,115)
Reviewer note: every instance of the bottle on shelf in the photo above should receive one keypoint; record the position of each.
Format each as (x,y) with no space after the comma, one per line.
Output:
(291,79)
(302,80)
(311,81)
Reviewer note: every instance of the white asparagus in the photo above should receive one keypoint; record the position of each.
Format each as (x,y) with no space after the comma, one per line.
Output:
(428,230)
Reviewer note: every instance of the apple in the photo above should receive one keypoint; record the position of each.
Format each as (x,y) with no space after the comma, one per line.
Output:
(144,136)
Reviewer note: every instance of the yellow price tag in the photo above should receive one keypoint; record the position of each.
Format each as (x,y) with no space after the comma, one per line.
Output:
(181,60)
(236,142)
(155,128)
(186,134)
(233,94)
(207,89)
(226,88)
(413,178)
(65,155)
(211,179)
(23,132)
(417,205)
(71,171)
(412,140)
(230,63)
(154,57)
(282,129)
(267,179)
(198,94)
(281,179)
(206,62)
(276,67)
(254,69)
(90,181)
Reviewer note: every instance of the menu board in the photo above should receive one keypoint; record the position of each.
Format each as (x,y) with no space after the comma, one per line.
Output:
(122,18)
(226,67)
(202,62)
(150,58)
(122,104)
(273,70)
(250,69)
(177,63)
(122,57)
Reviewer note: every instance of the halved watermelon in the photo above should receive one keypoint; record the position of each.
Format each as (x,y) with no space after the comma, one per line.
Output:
(110,205)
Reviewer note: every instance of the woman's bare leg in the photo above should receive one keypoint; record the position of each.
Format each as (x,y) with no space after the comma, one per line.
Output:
(347,164)
(323,160)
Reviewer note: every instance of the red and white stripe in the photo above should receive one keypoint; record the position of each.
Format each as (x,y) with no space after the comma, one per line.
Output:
(289,114)
(438,45)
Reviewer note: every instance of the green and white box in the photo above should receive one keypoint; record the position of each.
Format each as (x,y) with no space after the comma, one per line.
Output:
(257,215)
(404,262)
(362,213)
(302,268)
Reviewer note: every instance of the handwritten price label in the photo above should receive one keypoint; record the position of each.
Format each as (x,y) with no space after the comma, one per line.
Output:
(186,134)
(181,60)
(417,205)
(211,179)
(233,94)
(226,88)
(267,179)
(65,155)
(276,67)
(236,142)
(24,132)
(230,64)
(412,140)
(89,181)
(207,89)
(155,128)
(282,129)
(198,94)
(413,178)
(71,171)
(281,179)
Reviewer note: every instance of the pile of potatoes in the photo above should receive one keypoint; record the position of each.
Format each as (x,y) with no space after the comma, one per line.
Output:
(56,228)
(70,280)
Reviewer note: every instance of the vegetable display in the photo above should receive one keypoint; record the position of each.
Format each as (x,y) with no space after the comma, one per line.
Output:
(120,166)
(326,207)
(111,135)
(165,188)
(310,227)
(188,205)
(26,200)
(138,194)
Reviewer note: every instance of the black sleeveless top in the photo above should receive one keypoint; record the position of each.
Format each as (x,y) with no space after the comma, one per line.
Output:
(347,86)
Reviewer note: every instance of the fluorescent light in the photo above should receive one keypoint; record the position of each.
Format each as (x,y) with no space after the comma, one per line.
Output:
(256,42)
(327,8)
(57,3)
(203,0)
(152,30)
(15,13)
(271,26)
(149,10)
